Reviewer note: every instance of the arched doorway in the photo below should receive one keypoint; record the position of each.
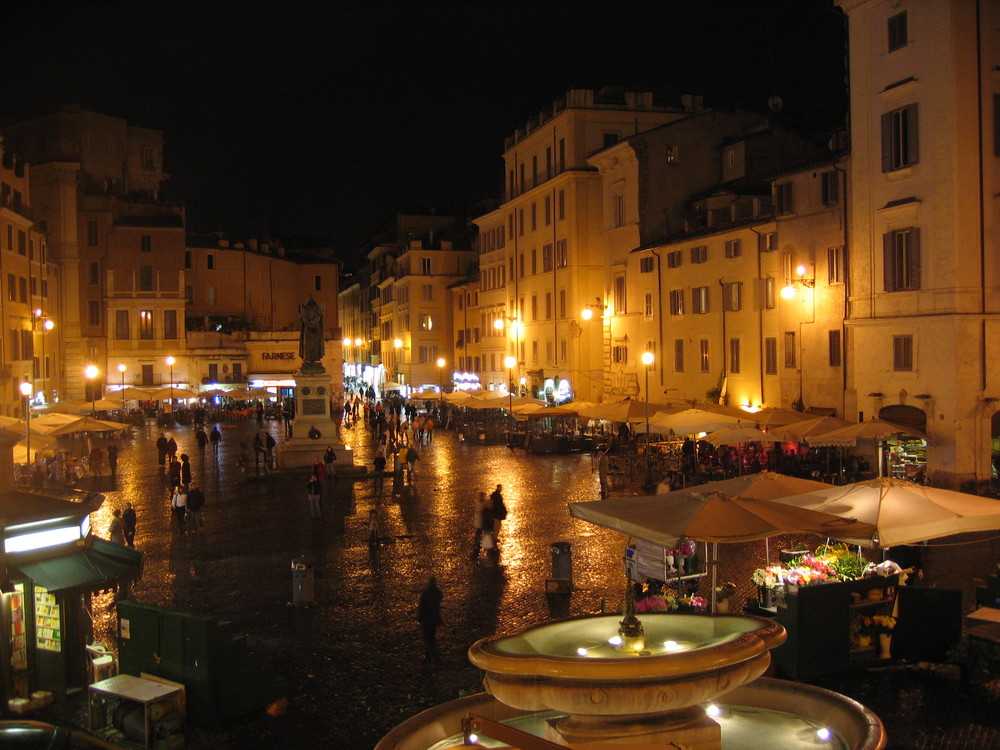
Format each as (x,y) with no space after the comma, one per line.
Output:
(905,456)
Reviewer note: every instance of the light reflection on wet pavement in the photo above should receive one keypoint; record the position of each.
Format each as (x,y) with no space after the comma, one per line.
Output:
(353,663)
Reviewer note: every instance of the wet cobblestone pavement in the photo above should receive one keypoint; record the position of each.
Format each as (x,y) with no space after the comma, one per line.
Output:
(352,664)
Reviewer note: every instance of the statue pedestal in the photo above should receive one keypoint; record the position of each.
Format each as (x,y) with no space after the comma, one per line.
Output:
(313,428)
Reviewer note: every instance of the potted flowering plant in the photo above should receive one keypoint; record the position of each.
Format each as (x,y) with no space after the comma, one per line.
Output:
(692,603)
(861,631)
(884,625)
(766,580)
(664,600)
(685,556)
(723,594)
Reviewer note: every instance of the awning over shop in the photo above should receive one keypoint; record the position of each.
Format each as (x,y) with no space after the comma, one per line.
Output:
(100,565)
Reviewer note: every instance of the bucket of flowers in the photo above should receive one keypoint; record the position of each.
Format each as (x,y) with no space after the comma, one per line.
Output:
(861,631)
(662,600)
(883,625)
(766,581)
(692,603)
(723,593)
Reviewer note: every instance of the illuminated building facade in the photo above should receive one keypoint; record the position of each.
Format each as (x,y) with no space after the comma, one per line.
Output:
(542,251)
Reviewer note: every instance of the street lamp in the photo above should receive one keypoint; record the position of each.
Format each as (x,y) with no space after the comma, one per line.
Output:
(92,372)
(647,360)
(121,370)
(170,363)
(509,362)
(26,389)
(441,364)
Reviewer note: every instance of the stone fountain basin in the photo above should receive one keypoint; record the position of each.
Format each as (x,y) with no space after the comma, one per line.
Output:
(540,669)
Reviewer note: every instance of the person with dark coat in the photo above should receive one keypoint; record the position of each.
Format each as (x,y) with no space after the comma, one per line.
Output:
(429,617)
(195,502)
(128,524)
(202,438)
(483,520)
(185,469)
(269,445)
(258,453)
(172,448)
(314,491)
(161,449)
(174,472)
(216,439)
(113,460)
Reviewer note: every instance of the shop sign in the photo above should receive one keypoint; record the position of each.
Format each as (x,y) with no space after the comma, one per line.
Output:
(278,355)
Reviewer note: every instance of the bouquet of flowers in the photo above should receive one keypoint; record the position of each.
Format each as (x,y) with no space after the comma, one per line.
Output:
(663,601)
(725,591)
(883,624)
(686,548)
(765,578)
(697,603)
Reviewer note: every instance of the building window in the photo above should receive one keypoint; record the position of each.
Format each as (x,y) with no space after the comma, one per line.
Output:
(146,243)
(734,356)
(835,265)
(620,308)
(834,337)
(768,242)
(830,188)
(784,196)
(561,199)
(427,354)
(902,353)
(534,307)
(210,296)
(617,211)
(673,154)
(677,302)
(699,300)
(94,312)
(646,265)
(22,285)
(562,254)
(734,296)
(534,216)
(767,293)
(733,248)
(699,254)
(674,259)
(520,221)
(534,352)
(426,322)
(317,283)
(145,278)
(548,210)
(899,138)
(901,251)
(12,287)
(15,344)
(703,355)
(770,356)
(678,355)
(546,258)
(427,291)
(425,266)
(121,325)
(92,233)
(146,324)
(647,309)
(897,31)
(95,272)
(210,261)
(147,157)
(548,305)
(187,259)
(170,324)
(22,243)
(790,349)
(534,261)
(562,303)
(213,372)
(619,353)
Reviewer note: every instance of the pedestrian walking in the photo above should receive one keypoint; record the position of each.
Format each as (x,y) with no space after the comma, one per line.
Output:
(429,617)
(178,506)
(171,448)
(314,491)
(215,437)
(269,445)
(412,456)
(96,461)
(185,469)
(161,449)
(129,524)
(498,510)
(202,439)
(113,460)
(195,502)
(174,472)
(379,466)
(329,457)
(117,530)
(482,519)
(259,452)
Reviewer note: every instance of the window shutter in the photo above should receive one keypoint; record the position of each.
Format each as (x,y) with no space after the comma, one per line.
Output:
(887,142)
(913,280)
(912,142)
(887,261)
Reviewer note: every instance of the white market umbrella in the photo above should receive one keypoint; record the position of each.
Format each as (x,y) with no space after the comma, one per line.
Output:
(691,421)
(873,429)
(903,512)
(776,415)
(627,410)
(738,434)
(803,431)
(167,393)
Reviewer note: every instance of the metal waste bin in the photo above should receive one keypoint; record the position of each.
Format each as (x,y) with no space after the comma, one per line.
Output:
(303,586)
(562,561)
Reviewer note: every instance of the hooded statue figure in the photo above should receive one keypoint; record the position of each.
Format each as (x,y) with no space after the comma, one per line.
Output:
(311,335)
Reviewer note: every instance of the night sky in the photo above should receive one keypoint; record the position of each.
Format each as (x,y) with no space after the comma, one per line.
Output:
(319,121)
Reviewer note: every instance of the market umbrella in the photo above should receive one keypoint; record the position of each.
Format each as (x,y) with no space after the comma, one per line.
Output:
(391,385)
(85,424)
(166,393)
(902,512)
(457,397)
(138,394)
(712,516)
(213,392)
(85,407)
(802,431)
(627,410)
(874,429)
(775,415)
(534,411)
(767,485)
(691,421)
(738,434)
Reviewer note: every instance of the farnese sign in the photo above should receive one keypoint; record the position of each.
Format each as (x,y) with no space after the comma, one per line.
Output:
(277,355)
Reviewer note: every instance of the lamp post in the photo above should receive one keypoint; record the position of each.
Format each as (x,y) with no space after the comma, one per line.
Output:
(26,389)
(510,362)
(647,360)
(170,363)
(441,364)
(92,372)
(121,371)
